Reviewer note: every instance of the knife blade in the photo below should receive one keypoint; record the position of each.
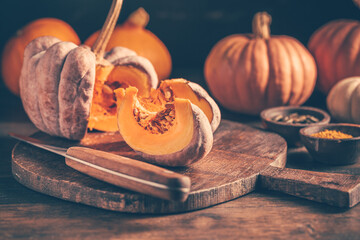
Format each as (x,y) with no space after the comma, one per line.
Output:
(121,171)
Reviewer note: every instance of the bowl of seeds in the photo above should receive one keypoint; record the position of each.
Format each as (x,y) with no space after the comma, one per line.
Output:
(334,144)
(287,121)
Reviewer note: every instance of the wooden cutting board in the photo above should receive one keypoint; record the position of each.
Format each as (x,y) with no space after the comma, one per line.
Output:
(242,159)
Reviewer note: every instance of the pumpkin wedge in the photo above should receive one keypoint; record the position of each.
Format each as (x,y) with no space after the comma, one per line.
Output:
(163,129)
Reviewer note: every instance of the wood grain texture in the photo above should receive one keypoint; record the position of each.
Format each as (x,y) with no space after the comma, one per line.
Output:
(129,173)
(229,171)
(342,190)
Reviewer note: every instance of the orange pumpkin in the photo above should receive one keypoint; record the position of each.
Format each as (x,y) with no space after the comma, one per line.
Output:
(13,54)
(250,72)
(133,35)
(336,48)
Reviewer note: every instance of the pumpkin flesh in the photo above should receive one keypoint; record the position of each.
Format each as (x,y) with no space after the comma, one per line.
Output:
(163,128)
(148,128)
(108,78)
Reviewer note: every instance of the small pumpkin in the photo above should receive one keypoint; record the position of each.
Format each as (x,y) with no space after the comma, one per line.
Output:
(132,34)
(174,131)
(343,100)
(13,54)
(250,72)
(336,48)
(65,87)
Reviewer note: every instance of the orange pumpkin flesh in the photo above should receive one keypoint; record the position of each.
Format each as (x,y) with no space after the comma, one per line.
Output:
(162,128)
(137,132)
(13,54)
(133,35)
(108,78)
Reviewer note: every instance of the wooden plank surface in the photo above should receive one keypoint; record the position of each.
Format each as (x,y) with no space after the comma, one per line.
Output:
(26,214)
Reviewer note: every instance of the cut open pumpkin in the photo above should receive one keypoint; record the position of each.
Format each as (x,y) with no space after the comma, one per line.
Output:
(163,128)
(108,78)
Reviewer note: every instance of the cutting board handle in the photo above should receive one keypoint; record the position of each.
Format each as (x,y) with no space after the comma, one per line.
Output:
(335,189)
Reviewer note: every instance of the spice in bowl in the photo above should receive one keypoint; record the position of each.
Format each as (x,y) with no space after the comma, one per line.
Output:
(296,118)
(331,134)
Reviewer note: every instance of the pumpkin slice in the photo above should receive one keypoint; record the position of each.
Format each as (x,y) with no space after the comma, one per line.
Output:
(163,129)
(182,88)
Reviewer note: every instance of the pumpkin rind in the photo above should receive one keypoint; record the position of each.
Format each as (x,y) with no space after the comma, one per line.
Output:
(13,54)
(336,48)
(343,100)
(198,98)
(248,73)
(49,87)
(75,92)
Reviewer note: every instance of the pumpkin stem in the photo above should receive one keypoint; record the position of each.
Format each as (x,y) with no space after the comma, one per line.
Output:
(261,25)
(100,44)
(139,18)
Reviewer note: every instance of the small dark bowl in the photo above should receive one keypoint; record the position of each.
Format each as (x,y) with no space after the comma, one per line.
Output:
(333,151)
(290,131)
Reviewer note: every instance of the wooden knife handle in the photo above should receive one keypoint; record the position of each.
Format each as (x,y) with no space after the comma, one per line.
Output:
(129,173)
(335,189)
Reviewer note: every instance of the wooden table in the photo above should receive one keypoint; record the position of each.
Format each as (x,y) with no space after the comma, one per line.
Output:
(25,214)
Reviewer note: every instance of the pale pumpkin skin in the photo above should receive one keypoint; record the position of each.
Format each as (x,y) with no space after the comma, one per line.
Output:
(198,96)
(248,73)
(343,100)
(57,83)
(336,48)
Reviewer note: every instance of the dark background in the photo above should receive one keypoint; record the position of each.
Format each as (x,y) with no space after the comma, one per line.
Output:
(189,28)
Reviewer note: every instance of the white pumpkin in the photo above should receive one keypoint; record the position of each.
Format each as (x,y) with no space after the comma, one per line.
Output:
(343,100)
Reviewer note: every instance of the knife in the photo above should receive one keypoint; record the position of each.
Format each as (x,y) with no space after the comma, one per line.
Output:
(121,171)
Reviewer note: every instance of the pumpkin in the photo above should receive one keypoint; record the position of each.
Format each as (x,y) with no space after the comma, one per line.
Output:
(65,87)
(250,72)
(12,56)
(343,100)
(336,48)
(132,34)
(174,131)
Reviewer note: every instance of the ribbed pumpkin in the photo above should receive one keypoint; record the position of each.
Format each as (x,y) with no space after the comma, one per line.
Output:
(336,48)
(13,54)
(66,88)
(250,72)
(132,34)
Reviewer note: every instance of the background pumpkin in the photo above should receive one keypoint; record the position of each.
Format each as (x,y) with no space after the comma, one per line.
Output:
(132,34)
(336,48)
(343,100)
(250,72)
(13,54)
